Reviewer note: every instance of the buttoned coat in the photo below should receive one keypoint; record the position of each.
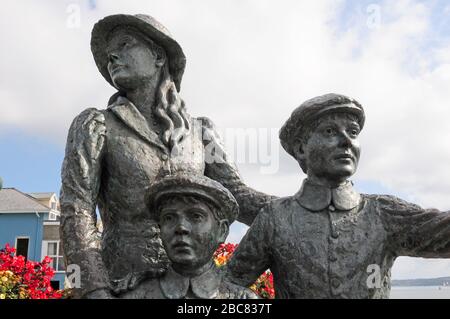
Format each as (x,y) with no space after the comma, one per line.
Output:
(336,243)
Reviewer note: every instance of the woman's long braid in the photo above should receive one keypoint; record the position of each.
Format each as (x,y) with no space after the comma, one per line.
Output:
(172,112)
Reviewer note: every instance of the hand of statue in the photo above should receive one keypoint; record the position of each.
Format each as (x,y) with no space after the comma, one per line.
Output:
(99,294)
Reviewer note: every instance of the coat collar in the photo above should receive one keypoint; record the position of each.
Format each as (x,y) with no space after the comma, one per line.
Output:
(204,286)
(316,197)
(127,112)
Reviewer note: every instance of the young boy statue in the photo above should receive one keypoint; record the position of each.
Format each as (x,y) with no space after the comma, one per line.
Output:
(327,240)
(194,214)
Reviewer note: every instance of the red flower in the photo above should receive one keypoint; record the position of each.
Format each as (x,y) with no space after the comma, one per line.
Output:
(32,279)
(263,285)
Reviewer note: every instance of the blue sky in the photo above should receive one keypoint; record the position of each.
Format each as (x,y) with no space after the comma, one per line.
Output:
(248,60)
(30,163)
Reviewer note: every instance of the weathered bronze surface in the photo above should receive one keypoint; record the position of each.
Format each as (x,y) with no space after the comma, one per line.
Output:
(113,155)
(329,241)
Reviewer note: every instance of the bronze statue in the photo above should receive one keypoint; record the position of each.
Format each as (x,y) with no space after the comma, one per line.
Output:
(329,241)
(112,155)
(194,214)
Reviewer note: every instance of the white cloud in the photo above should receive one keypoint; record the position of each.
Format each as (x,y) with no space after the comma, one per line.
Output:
(250,63)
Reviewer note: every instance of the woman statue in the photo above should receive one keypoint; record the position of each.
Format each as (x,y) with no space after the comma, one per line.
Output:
(113,155)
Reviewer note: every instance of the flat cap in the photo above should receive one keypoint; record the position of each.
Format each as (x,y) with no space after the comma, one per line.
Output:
(195,185)
(148,26)
(309,111)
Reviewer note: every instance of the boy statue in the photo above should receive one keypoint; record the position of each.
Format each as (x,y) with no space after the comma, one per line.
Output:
(194,214)
(327,240)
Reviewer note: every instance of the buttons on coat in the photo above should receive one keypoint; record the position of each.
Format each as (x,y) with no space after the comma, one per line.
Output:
(164,157)
(334,234)
(335,283)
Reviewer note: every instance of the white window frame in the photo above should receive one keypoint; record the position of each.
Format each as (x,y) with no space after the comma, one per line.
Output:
(29,242)
(54,257)
(52,215)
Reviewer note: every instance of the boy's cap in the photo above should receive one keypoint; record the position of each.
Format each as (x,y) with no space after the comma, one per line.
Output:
(311,110)
(199,186)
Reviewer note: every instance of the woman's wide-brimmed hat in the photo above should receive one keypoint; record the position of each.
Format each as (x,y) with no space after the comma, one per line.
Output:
(147,25)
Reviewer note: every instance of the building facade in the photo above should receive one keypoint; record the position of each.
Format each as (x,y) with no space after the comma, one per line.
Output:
(30,223)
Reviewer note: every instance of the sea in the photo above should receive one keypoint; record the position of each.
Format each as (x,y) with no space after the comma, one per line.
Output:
(420,292)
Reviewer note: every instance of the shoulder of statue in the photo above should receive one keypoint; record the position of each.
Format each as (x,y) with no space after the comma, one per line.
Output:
(208,127)
(148,289)
(86,137)
(90,116)
(233,291)
(281,205)
(88,124)
(206,122)
(151,288)
(210,132)
(391,204)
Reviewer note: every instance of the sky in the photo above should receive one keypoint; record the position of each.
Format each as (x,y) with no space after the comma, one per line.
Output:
(249,64)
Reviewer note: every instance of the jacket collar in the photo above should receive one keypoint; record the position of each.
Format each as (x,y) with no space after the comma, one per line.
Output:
(204,286)
(127,112)
(316,197)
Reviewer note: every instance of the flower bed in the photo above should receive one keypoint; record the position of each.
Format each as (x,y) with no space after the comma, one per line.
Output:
(21,279)
(263,286)
(24,279)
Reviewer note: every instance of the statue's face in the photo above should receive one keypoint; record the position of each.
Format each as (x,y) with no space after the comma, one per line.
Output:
(131,60)
(332,150)
(189,232)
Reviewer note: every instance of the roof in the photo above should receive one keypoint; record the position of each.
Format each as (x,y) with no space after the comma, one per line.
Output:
(41,195)
(14,201)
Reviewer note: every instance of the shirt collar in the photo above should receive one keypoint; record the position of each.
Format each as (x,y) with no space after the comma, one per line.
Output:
(127,112)
(204,286)
(317,197)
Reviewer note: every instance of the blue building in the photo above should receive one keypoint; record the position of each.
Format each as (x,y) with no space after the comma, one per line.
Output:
(30,223)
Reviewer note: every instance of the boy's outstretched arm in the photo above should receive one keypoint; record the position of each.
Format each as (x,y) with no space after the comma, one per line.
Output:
(414,231)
